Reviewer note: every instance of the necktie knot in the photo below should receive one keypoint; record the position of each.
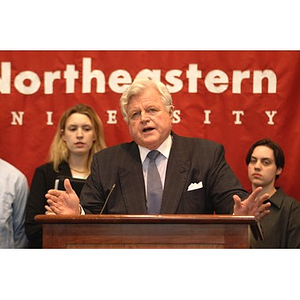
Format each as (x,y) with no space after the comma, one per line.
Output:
(153,154)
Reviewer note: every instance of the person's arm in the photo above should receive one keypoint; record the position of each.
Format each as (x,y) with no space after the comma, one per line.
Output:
(222,183)
(226,184)
(19,205)
(36,205)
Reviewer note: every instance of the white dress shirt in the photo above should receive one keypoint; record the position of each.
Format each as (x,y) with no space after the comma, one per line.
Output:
(13,197)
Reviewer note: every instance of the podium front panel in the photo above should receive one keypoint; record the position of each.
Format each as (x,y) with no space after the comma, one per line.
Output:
(150,232)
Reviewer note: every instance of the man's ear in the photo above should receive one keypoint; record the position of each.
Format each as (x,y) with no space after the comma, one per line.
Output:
(171,110)
(279,170)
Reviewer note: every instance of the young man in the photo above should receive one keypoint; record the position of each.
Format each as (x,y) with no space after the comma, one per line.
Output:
(281,228)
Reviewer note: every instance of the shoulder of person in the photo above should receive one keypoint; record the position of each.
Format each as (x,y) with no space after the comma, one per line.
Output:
(197,141)
(119,148)
(46,166)
(287,200)
(9,168)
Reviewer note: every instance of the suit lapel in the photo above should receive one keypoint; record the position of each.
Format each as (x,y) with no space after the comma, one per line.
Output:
(176,176)
(132,182)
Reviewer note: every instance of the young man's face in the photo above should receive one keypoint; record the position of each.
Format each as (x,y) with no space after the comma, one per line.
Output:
(262,169)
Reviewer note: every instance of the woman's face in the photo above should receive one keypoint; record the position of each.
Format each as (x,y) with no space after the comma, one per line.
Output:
(79,134)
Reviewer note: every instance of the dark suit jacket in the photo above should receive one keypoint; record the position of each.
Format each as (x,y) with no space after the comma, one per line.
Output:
(191,160)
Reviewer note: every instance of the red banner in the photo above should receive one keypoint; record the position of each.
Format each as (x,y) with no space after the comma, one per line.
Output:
(231,97)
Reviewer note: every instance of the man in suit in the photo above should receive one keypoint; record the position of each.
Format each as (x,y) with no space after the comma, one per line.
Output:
(194,175)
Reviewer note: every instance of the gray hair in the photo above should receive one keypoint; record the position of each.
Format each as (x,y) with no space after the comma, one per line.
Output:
(138,86)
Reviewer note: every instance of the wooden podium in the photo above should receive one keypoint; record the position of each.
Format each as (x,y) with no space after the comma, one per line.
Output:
(147,231)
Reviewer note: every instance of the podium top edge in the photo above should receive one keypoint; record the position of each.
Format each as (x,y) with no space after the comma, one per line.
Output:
(142,219)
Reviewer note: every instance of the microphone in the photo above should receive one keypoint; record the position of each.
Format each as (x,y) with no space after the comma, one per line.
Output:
(107,198)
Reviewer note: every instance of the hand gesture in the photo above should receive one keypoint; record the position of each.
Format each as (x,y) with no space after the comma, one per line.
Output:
(63,202)
(253,205)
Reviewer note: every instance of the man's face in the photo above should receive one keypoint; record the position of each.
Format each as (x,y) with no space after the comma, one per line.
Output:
(262,169)
(149,122)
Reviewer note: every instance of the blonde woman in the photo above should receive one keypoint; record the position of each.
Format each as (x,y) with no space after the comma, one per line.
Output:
(78,137)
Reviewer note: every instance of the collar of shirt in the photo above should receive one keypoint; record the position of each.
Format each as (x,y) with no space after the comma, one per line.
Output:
(164,149)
